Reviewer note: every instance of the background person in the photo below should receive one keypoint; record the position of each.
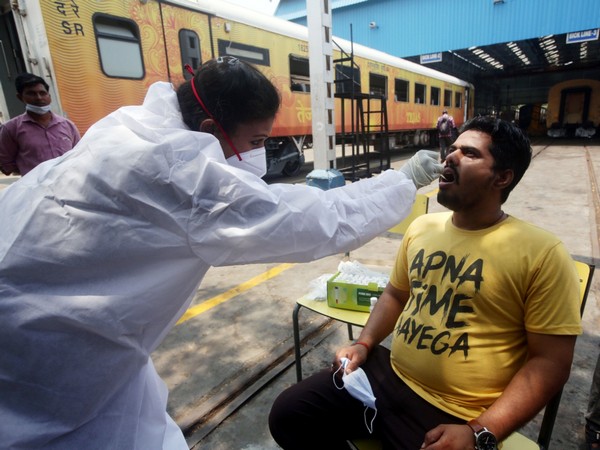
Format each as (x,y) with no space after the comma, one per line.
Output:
(483,309)
(103,249)
(445,126)
(38,134)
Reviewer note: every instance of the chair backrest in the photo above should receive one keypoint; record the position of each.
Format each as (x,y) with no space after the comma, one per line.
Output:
(420,207)
(585,271)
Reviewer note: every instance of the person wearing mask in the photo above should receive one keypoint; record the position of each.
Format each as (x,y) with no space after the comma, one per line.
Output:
(445,127)
(483,312)
(103,249)
(38,134)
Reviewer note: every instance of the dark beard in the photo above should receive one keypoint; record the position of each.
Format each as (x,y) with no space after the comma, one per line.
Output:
(447,200)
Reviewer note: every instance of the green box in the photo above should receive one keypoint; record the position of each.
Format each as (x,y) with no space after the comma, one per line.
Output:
(355,297)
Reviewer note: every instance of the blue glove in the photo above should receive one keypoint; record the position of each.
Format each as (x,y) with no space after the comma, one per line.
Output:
(423,167)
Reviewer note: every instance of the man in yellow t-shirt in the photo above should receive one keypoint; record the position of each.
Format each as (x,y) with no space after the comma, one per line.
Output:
(483,309)
(472,291)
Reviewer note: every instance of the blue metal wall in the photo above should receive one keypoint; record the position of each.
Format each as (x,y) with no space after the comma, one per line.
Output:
(415,27)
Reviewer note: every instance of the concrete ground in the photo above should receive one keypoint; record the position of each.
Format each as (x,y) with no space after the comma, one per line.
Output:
(225,364)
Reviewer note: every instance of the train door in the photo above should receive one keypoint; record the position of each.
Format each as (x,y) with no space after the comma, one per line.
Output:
(188,40)
(11,62)
(574,105)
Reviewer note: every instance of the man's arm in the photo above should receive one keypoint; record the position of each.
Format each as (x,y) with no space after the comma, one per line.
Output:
(545,372)
(75,132)
(384,316)
(380,324)
(8,151)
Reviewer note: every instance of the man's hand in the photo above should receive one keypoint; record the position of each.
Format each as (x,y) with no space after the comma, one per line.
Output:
(423,167)
(356,354)
(449,437)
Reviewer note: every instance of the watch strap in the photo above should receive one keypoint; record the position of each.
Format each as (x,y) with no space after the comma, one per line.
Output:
(475,426)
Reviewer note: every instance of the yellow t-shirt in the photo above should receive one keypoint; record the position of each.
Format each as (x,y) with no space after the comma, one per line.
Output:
(473,294)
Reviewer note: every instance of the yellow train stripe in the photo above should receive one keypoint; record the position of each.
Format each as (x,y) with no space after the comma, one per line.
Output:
(217,300)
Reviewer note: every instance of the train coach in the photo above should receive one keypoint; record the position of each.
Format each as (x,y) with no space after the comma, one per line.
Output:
(99,56)
(573,108)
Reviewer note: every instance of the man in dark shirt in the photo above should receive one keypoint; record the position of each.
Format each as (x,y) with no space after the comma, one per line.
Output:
(445,126)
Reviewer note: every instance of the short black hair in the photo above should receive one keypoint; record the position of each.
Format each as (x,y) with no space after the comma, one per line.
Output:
(510,147)
(25,80)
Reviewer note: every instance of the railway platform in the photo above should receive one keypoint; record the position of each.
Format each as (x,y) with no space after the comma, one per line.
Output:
(232,354)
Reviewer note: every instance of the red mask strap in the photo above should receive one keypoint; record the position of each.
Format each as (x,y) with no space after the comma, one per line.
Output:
(205,109)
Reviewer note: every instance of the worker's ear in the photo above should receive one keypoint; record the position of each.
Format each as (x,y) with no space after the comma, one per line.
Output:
(208,126)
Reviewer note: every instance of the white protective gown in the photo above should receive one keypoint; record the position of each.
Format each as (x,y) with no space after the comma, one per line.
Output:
(102,250)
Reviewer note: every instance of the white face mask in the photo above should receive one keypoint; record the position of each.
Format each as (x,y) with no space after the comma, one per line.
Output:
(38,109)
(358,386)
(253,161)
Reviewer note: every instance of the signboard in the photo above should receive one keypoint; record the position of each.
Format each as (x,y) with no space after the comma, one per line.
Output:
(582,36)
(431,58)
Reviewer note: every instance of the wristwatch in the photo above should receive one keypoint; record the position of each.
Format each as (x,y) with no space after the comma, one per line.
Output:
(484,438)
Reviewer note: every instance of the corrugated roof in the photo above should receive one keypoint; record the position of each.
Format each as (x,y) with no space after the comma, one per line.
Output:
(476,38)
(546,54)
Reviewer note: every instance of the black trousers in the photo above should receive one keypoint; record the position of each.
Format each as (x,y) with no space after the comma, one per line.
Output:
(445,143)
(315,407)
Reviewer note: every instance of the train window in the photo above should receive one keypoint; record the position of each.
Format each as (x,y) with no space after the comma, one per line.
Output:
(248,53)
(458,100)
(420,93)
(347,79)
(435,96)
(378,85)
(119,47)
(189,43)
(299,74)
(447,98)
(401,90)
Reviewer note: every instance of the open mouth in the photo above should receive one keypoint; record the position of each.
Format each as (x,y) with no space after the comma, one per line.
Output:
(448,175)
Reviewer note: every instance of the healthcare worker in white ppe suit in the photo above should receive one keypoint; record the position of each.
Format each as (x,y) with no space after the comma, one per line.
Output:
(102,250)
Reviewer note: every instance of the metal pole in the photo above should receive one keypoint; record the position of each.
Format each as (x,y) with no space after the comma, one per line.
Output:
(321,83)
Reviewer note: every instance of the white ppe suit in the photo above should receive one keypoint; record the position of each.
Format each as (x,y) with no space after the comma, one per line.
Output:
(102,250)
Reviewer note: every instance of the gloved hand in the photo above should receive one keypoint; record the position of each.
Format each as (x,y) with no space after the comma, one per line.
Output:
(423,167)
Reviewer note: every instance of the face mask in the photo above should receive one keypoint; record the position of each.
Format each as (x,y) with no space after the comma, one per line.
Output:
(37,109)
(358,386)
(253,161)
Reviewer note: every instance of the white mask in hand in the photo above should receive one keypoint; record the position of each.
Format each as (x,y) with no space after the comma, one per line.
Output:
(358,386)
(253,161)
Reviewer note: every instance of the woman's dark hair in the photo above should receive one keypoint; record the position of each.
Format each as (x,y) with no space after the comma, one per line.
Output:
(233,92)
(510,147)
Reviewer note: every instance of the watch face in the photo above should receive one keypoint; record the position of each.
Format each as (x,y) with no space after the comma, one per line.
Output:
(486,441)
